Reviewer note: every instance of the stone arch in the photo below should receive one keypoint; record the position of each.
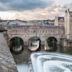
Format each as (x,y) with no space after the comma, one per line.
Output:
(52,43)
(16,45)
(34,44)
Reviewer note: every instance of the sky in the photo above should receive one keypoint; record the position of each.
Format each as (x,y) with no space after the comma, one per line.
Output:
(33,9)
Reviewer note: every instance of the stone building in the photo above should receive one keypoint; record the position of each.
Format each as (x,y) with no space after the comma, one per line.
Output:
(59,21)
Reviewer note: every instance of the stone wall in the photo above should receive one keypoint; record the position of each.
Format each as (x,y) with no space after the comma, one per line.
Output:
(43,32)
(7,63)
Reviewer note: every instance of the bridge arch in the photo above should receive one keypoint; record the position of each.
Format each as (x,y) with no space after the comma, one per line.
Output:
(16,45)
(34,43)
(52,43)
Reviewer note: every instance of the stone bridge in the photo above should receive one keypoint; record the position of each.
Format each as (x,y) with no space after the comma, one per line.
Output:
(26,32)
(43,32)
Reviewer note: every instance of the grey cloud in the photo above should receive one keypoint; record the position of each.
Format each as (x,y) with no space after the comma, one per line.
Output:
(23,4)
(68,6)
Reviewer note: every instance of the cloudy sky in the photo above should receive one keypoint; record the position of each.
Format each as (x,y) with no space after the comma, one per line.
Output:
(33,9)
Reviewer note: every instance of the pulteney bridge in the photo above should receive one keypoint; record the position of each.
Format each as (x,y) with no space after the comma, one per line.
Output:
(28,33)
(42,32)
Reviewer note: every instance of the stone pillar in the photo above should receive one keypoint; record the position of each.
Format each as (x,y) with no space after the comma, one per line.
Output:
(61,45)
(46,47)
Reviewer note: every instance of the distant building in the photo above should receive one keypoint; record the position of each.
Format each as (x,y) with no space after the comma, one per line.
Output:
(59,21)
(68,24)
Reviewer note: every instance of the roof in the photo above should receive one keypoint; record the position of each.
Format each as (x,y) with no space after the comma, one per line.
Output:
(36,26)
